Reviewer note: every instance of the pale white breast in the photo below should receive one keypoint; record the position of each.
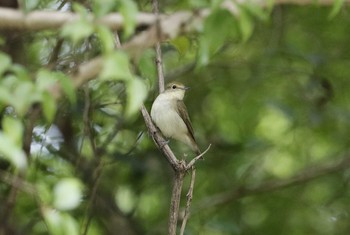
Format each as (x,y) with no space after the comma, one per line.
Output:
(166,118)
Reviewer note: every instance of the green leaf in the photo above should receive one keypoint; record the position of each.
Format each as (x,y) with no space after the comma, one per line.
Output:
(218,27)
(77,31)
(80,9)
(20,72)
(256,10)
(45,80)
(136,94)
(128,10)
(12,152)
(116,66)
(106,37)
(146,64)
(5,63)
(5,95)
(49,106)
(13,128)
(60,223)
(246,24)
(101,8)
(67,87)
(67,194)
(30,5)
(336,8)
(182,44)
(23,96)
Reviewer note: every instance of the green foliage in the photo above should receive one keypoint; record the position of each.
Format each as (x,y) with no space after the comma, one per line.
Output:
(5,62)
(60,223)
(11,142)
(67,194)
(77,30)
(210,43)
(336,8)
(136,93)
(107,39)
(116,66)
(128,9)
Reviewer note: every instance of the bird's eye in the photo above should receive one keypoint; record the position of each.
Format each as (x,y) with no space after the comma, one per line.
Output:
(174,87)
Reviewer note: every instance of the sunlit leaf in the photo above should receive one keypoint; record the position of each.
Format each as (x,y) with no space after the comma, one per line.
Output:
(49,106)
(116,66)
(67,87)
(45,80)
(77,30)
(218,27)
(128,9)
(80,9)
(125,199)
(136,94)
(5,62)
(256,10)
(60,223)
(21,72)
(13,128)
(12,152)
(102,7)
(24,95)
(30,5)
(146,64)
(5,95)
(246,24)
(182,44)
(337,5)
(106,37)
(67,194)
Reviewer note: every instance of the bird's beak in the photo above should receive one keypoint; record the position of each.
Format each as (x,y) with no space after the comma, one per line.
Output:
(186,88)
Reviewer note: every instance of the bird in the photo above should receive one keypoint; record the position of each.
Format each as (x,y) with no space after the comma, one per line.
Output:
(169,113)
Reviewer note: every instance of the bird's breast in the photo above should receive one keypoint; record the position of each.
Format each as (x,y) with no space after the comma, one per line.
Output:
(165,116)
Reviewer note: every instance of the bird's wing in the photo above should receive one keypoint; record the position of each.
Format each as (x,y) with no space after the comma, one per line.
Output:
(182,111)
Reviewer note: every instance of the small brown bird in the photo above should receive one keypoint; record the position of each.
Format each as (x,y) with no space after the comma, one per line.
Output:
(170,115)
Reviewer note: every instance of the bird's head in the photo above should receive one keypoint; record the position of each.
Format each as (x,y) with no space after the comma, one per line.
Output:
(175,90)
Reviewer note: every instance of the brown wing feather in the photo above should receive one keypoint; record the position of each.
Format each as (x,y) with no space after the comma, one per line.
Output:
(182,111)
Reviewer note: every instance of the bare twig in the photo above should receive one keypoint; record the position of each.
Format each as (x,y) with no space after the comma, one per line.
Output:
(55,53)
(88,130)
(194,160)
(189,196)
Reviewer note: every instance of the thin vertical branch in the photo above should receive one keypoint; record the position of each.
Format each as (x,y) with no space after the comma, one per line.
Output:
(159,61)
(88,214)
(189,200)
(175,201)
(96,177)
(179,173)
(88,130)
